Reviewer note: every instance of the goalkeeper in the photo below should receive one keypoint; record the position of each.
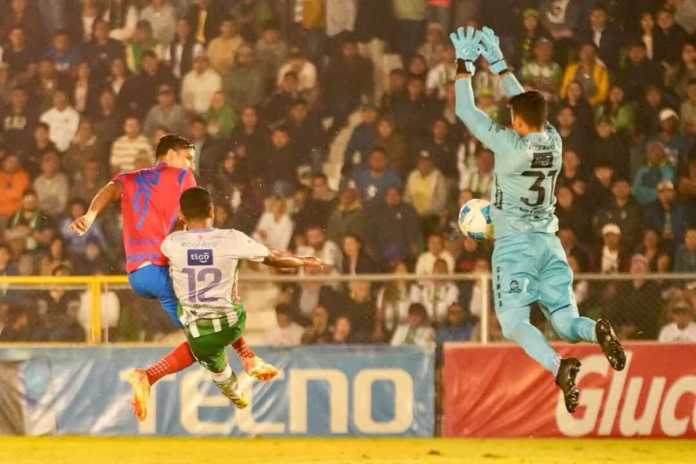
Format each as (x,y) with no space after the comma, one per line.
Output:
(529,263)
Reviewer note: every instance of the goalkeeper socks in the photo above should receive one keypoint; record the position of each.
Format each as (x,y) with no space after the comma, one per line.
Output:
(242,349)
(177,360)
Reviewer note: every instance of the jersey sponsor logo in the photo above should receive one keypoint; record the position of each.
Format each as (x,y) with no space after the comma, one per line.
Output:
(200,257)
(542,160)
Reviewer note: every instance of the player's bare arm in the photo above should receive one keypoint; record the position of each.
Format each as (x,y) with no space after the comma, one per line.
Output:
(109,193)
(282,259)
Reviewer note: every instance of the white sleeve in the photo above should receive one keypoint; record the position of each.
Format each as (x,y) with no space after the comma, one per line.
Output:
(166,247)
(241,246)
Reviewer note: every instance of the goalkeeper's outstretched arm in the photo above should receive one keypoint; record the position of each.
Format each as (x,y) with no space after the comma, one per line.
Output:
(479,123)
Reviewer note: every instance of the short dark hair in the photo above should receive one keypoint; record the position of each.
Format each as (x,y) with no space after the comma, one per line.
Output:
(172,142)
(531,107)
(195,203)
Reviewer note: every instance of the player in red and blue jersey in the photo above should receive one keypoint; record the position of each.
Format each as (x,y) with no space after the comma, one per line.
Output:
(150,211)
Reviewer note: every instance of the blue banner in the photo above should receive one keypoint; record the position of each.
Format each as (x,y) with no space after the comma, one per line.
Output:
(322,391)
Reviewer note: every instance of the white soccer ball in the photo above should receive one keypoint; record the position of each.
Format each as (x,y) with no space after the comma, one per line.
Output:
(475,219)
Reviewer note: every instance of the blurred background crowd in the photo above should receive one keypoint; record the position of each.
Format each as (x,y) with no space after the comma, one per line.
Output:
(328,127)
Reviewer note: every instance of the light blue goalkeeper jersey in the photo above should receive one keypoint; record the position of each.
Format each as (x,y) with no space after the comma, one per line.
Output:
(526,168)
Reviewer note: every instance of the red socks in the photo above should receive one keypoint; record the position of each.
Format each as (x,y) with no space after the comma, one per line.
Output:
(176,361)
(181,358)
(242,349)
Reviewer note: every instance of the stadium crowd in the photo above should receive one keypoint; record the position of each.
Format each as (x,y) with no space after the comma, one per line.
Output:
(266,88)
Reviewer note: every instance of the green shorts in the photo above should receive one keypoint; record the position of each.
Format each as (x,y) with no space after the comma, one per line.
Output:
(210,344)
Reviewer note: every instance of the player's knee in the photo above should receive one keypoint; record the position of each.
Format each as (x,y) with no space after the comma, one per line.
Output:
(513,331)
(564,328)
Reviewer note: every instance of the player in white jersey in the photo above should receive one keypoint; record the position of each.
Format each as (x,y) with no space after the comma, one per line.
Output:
(204,266)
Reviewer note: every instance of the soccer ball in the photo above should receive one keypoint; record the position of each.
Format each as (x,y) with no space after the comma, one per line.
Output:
(475,219)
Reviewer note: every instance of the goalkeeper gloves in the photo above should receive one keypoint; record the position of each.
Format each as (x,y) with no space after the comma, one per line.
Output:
(491,51)
(467,47)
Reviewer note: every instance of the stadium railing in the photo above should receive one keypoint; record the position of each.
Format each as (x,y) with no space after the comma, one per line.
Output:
(598,294)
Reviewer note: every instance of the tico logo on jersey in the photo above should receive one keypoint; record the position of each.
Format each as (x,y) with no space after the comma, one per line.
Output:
(200,257)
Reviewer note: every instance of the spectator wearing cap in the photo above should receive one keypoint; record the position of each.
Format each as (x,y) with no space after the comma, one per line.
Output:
(199,86)
(126,148)
(416,331)
(161,15)
(590,72)
(139,92)
(286,332)
(540,71)
(676,145)
(223,49)
(347,80)
(682,328)
(426,190)
(669,38)
(62,120)
(623,211)
(666,215)
(656,169)
(348,217)
(685,257)
(604,35)
(14,181)
(611,257)
(244,84)
(634,311)
(638,72)
(374,180)
(362,141)
(393,229)
(167,114)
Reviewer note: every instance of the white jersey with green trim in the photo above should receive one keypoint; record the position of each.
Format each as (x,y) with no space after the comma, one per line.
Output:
(204,266)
